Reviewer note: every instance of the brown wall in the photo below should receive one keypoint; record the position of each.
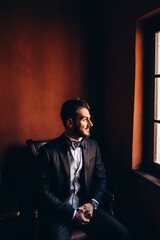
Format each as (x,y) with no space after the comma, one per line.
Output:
(43,62)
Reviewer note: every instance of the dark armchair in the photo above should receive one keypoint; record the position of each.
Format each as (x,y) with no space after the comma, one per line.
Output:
(108,201)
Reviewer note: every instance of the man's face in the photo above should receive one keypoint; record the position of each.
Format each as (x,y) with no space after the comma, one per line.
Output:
(82,123)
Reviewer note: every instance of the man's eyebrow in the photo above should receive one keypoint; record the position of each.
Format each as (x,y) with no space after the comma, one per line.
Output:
(85,117)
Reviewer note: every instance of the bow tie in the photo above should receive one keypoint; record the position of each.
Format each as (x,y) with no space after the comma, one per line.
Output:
(75,144)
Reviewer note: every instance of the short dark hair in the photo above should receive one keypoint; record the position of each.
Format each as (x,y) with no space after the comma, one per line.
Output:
(70,107)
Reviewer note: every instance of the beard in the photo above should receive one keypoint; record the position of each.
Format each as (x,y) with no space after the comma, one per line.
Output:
(79,132)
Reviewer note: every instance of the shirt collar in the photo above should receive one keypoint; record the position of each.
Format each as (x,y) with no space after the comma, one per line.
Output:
(72,139)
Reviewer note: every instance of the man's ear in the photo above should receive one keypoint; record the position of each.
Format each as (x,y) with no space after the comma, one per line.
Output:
(69,122)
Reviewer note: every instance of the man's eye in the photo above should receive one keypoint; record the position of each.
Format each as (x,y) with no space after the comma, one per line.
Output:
(87,119)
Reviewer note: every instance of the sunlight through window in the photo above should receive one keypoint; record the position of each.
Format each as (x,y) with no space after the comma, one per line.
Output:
(157,100)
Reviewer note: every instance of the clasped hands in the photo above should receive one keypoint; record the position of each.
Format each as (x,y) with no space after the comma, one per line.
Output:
(84,214)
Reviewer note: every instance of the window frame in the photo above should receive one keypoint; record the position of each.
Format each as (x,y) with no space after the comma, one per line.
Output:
(144,141)
(151,26)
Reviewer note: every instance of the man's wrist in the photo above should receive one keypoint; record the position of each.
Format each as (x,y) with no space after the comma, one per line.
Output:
(94,204)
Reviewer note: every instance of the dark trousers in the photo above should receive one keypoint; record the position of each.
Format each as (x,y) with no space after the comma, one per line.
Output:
(102,226)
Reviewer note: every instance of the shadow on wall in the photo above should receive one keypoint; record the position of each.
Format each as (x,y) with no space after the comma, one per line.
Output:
(18,177)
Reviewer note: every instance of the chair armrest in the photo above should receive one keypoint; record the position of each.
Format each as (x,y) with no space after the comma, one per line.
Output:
(110,195)
(8,205)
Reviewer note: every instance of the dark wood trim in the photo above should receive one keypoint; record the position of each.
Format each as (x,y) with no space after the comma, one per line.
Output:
(147,181)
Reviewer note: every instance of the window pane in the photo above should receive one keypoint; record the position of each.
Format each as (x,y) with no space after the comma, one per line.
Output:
(157,99)
(157,143)
(157,53)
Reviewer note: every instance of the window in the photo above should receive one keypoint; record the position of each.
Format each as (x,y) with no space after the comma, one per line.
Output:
(156,158)
(146,122)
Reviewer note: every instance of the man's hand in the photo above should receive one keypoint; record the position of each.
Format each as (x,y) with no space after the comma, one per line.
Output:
(80,217)
(87,210)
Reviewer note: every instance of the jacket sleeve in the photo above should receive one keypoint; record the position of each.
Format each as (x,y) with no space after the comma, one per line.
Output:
(99,184)
(46,199)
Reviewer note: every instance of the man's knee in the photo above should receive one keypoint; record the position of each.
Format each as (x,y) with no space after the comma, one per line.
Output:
(107,227)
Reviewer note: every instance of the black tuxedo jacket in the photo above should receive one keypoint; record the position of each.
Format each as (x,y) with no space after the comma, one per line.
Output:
(54,177)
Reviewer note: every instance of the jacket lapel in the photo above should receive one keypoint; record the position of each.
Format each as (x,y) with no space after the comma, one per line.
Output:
(62,148)
(86,161)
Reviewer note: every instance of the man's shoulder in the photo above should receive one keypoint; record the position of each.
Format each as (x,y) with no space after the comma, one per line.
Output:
(51,144)
(90,140)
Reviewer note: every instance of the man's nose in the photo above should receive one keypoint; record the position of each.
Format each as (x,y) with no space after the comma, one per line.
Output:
(90,123)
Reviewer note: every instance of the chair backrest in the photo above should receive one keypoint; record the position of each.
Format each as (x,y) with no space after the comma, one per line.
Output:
(35,146)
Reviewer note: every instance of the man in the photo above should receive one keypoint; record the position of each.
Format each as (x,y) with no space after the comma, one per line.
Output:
(72,181)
